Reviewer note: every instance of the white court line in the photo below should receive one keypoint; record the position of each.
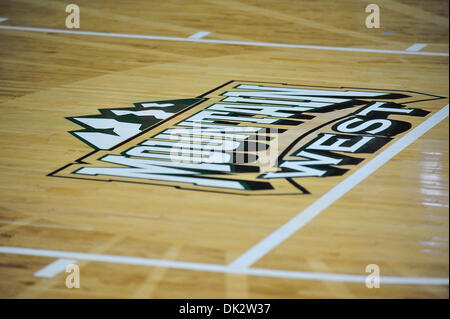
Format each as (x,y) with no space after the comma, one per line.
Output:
(51,270)
(301,219)
(416,47)
(138,261)
(199,35)
(3,19)
(261,44)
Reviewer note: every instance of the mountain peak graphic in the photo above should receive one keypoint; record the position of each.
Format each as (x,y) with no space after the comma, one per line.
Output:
(113,126)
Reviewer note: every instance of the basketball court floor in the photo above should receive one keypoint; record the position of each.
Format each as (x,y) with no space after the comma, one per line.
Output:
(355,205)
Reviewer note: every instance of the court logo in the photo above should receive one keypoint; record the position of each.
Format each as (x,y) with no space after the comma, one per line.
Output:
(246,138)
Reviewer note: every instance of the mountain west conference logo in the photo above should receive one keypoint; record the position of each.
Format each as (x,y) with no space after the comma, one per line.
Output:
(247,138)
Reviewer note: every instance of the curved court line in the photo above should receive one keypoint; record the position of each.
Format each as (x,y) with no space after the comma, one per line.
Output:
(261,44)
(289,274)
(262,248)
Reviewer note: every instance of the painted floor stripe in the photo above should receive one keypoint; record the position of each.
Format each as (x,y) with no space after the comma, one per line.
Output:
(54,268)
(3,19)
(296,223)
(416,47)
(199,35)
(261,44)
(342,277)
(261,272)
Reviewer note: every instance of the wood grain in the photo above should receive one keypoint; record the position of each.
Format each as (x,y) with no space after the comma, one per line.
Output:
(396,218)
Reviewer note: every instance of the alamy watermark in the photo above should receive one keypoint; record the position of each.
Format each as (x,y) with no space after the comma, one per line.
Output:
(73,279)
(73,19)
(203,143)
(373,19)
(373,280)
